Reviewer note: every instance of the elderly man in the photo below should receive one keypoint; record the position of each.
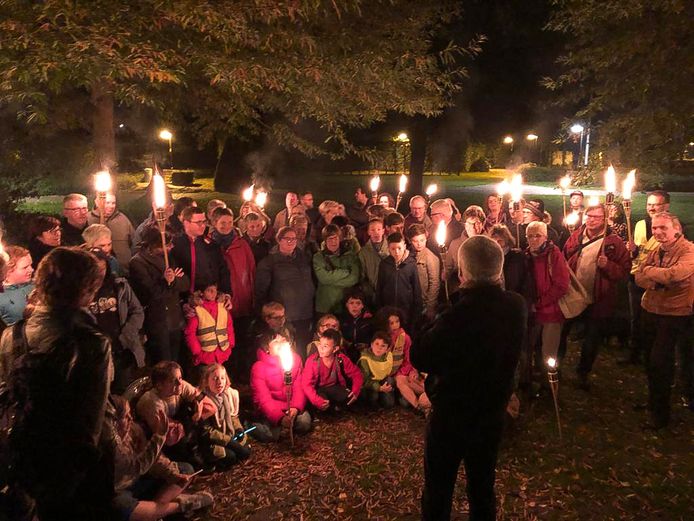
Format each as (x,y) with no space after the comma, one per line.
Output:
(74,219)
(600,261)
(667,275)
(122,230)
(442,211)
(418,213)
(473,223)
(470,355)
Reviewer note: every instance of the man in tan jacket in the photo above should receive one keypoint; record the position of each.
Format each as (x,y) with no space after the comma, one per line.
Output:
(667,275)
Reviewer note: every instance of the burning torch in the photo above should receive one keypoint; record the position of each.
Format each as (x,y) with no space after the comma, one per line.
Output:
(553,378)
(102,185)
(374,185)
(431,190)
(287,362)
(627,187)
(159,208)
(516,189)
(564,183)
(247,194)
(441,232)
(401,190)
(261,199)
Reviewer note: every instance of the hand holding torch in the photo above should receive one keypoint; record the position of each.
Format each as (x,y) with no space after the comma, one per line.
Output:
(159,209)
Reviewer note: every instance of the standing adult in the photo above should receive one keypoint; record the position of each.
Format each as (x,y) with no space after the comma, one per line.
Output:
(534,211)
(285,276)
(122,230)
(515,270)
(60,443)
(312,213)
(44,235)
(371,255)
(357,214)
(494,212)
(470,355)
(398,281)
(667,276)
(74,219)
(337,268)
(576,205)
(441,210)
(600,261)
(255,225)
(282,217)
(473,224)
(418,213)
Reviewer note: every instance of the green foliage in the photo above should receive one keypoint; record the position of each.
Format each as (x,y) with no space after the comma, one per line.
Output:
(475,157)
(627,68)
(541,174)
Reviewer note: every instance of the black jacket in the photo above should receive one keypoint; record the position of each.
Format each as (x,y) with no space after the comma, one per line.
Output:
(209,264)
(260,247)
(38,251)
(398,285)
(70,236)
(470,354)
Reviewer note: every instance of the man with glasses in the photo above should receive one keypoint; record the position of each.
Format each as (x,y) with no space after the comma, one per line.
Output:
(201,260)
(74,221)
(441,210)
(418,213)
(600,262)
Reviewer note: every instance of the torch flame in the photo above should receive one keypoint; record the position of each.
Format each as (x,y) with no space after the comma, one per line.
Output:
(102,181)
(502,188)
(286,357)
(628,185)
(403,183)
(159,191)
(551,363)
(610,180)
(375,183)
(564,182)
(571,219)
(431,189)
(517,188)
(441,232)
(247,194)
(593,200)
(261,198)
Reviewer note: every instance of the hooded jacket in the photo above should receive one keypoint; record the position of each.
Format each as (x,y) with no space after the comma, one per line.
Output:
(335,273)
(550,282)
(398,285)
(269,391)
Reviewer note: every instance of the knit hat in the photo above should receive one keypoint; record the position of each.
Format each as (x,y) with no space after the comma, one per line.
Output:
(534,208)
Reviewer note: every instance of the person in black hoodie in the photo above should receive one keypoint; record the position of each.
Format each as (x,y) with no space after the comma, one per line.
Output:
(398,281)
(470,354)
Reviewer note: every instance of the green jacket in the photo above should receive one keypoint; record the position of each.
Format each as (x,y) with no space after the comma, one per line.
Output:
(335,273)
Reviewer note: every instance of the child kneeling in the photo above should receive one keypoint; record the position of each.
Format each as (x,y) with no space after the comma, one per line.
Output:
(376,365)
(327,374)
(222,441)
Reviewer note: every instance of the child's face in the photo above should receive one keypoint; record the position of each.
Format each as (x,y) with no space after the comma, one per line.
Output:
(379,347)
(329,323)
(217,381)
(172,386)
(376,232)
(326,347)
(394,322)
(210,293)
(397,250)
(354,306)
(419,242)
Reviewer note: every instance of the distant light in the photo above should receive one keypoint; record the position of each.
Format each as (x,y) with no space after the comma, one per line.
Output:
(121,125)
(691,143)
(577,128)
(402,137)
(508,140)
(165,134)
(531,137)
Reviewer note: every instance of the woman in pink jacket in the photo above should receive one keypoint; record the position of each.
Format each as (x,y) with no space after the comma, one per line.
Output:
(278,396)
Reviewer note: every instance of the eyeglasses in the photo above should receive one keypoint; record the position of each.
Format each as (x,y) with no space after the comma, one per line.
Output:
(288,239)
(80,209)
(595,217)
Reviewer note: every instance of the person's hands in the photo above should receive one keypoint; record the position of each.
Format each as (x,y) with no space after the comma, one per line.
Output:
(161,424)
(239,435)
(198,410)
(226,302)
(351,398)
(171,274)
(413,376)
(386,388)
(324,406)
(602,261)
(175,433)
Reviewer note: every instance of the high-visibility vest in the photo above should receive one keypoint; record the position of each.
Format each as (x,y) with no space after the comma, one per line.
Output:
(379,369)
(212,335)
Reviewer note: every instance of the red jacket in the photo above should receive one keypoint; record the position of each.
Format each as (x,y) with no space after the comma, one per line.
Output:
(549,289)
(311,377)
(606,279)
(191,333)
(241,264)
(269,391)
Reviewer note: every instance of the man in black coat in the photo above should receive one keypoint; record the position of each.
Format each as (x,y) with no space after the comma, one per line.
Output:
(470,354)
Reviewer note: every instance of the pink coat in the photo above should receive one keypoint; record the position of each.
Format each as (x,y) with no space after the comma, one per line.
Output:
(269,391)
(204,357)
(310,377)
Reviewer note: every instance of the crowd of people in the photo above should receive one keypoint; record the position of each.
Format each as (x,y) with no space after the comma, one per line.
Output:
(131,342)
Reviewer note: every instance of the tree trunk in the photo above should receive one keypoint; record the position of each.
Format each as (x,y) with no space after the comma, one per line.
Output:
(418,147)
(103,131)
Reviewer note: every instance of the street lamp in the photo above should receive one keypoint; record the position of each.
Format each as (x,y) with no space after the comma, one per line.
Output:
(532,137)
(166,135)
(578,129)
(401,140)
(508,140)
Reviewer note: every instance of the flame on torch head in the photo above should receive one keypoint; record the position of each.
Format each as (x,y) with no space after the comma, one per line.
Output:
(375,183)
(564,182)
(628,185)
(159,191)
(517,188)
(610,180)
(102,181)
(261,198)
(502,188)
(403,183)
(593,201)
(247,194)
(431,189)
(571,219)
(286,356)
(551,363)
(441,232)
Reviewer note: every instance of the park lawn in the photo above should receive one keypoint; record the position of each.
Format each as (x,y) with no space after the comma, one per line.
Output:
(368,465)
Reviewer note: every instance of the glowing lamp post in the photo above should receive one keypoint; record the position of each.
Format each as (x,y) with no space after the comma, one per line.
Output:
(287,362)
(402,188)
(159,208)
(508,140)
(564,183)
(102,185)
(553,378)
(627,187)
(166,135)
(374,184)
(261,199)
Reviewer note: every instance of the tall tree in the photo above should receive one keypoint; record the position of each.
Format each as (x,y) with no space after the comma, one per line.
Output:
(628,69)
(243,67)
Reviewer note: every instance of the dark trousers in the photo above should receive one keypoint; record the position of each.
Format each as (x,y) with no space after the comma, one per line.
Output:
(686,362)
(635,340)
(593,333)
(660,334)
(162,343)
(335,394)
(244,354)
(447,444)
(302,335)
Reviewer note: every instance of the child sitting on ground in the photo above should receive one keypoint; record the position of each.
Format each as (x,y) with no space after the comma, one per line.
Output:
(175,397)
(210,330)
(408,380)
(324,323)
(356,325)
(329,377)
(376,364)
(147,484)
(278,404)
(221,439)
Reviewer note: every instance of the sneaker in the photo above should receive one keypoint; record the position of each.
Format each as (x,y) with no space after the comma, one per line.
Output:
(191,502)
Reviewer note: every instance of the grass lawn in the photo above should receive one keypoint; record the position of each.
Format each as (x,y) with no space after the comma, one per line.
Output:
(368,465)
